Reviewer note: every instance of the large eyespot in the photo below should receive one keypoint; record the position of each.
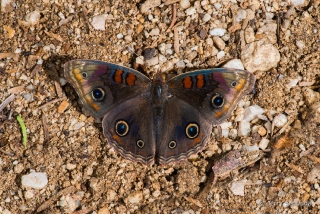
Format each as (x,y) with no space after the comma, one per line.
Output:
(172,144)
(122,128)
(140,144)
(98,94)
(217,101)
(84,75)
(233,84)
(192,130)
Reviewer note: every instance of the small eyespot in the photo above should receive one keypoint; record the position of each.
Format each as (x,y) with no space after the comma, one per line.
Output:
(140,143)
(192,130)
(172,144)
(217,101)
(84,74)
(98,94)
(234,83)
(122,128)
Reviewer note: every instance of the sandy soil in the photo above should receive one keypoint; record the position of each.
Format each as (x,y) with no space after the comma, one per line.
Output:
(86,176)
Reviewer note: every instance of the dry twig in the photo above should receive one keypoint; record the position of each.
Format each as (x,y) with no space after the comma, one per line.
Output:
(6,102)
(174,17)
(52,102)
(47,203)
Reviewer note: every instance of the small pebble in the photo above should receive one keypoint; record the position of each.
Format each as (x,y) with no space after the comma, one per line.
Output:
(280,120)
(220,54)
(237,187)
(206,17)
(32,18)
(28,194)
(252,112)
(242,14)
(153,61)
(119,35)
(184,4)
(18,168)
(262,131)
(244,128)
(190,11)
(203,33)
(264,143)
(98,22)
(258,56)
(219,42)
(36,180)
(149,4)
(135,198)
(71,166)
(149,53)
(63,106)
(217,31)
(154,32)
(234,63)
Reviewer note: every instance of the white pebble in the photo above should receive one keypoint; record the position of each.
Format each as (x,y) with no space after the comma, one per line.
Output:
(162,59)
(259,56)
(190,11)
(154,32)
(233,133)
(135,197)
(206,17)
(299,2)
(252,112)
(237,187)
(149,4)
(268,126)
(217,31)
(234,63)
(153,61)
(6,5)
(36,180)
(302,147)
(217,6)
(184,4)
(264,143)
(33,17)
(242,14)
(28,194)
(300,44)
(140,60)
(119,35)
(220,54)
(225,125)
(180,64)
(98,22)
(280,120)
(253,148)
(244,128)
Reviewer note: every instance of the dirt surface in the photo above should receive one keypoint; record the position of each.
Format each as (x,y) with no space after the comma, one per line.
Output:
(86,176)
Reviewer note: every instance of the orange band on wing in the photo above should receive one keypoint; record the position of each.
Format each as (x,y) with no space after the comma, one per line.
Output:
(240,85)
(94,105)
(200,80)
(118,76)
(131,79)
(187,82)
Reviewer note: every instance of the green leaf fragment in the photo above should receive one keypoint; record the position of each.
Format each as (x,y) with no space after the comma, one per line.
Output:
(24,130)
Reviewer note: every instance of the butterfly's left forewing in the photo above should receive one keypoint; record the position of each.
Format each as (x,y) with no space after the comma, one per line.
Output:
(102,85)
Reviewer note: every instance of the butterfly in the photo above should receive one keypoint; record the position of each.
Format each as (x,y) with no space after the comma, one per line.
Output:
(154,120)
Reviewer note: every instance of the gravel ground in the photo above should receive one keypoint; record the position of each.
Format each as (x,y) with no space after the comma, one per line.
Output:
(66,165)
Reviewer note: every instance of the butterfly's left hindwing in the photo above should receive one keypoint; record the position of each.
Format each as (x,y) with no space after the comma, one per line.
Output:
(102,85)
(213,92)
